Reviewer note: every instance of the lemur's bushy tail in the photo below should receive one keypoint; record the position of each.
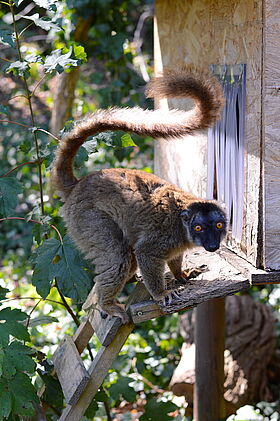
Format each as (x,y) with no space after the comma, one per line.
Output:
(202,87)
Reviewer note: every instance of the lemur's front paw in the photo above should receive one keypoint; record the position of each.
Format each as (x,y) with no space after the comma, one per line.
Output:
(193,272)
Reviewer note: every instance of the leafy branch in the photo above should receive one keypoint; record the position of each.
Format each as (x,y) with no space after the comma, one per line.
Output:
(32,221)
(38,129)
(28,95)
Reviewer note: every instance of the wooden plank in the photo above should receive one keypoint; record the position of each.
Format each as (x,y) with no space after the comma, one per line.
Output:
(98,371)
(266,279)
(220,280)
(102,362)
(271,132)
(227,274)
(233,35)
(105,329)
(146,310)
(209,401)
(83,335)
(256,276)
(70,370)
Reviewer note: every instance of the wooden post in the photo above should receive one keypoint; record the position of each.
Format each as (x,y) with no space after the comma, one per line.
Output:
(209,361)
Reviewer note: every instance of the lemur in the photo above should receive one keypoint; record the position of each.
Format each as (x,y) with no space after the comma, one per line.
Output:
(122,219)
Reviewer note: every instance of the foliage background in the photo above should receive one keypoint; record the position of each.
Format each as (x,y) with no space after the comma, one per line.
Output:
(101,50)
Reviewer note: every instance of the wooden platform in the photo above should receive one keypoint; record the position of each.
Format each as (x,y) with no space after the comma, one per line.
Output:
(226,274)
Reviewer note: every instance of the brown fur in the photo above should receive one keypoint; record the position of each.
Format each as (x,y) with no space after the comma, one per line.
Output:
(122,218)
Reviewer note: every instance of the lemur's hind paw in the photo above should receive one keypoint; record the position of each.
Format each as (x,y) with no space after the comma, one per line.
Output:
(171,296)
(104,315)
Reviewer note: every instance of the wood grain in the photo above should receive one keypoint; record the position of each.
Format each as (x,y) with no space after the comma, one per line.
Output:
(205,32)
(70,370)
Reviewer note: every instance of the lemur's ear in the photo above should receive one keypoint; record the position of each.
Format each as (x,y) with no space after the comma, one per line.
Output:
(185,214)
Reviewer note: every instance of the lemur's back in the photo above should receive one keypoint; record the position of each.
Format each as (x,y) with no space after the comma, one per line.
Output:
(135,200)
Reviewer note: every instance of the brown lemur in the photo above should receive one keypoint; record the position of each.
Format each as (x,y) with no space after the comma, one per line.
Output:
(121,218)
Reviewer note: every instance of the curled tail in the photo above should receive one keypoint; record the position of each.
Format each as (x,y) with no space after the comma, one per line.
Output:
(202,87)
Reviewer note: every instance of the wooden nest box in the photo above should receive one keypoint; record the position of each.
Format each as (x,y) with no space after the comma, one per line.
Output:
(238,161)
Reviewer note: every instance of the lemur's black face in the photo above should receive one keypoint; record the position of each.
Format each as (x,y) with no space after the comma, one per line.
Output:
(206,224)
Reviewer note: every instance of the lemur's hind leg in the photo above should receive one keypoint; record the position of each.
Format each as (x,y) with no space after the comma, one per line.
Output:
(114,262)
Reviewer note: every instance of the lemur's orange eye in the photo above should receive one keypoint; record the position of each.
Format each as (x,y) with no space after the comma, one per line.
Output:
(219,225)
(198,228)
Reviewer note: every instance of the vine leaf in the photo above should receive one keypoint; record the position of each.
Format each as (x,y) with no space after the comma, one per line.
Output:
(57,61)
(17,358)
(5,399)
(42,320)
(17,395)
(53,393)
(155,407)
(122,389)
(3,292)
(79,53)
(10,187)
(4,109)
(44,23)
(19,68)
(7,37)
(46,4)
(18,2)
(43,273)
(73,279)
(63,262)
(127,140)
(11,325)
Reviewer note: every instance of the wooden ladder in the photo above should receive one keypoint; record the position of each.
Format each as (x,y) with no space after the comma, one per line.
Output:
(80,385)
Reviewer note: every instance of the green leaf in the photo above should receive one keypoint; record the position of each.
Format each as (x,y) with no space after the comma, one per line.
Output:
(72,278)
(3,292)
(17,358)
(153,408)
(43,273)
(7,37)
(47,4)
(24,394)
(4,109)
(33,58)
(63,262)
(42,320)
(122,389)
(91,409)
(19,68)
(5,399)
(17,395)
(39,230)
(12,325)
(80,157)
(25,146)
(127,140)
(2,356)
(44,23)
(10,187)
(58,61)
(79,53)
(53,393)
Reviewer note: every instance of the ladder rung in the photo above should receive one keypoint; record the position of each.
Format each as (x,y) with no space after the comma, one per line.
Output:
(105,329)
(70,370)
